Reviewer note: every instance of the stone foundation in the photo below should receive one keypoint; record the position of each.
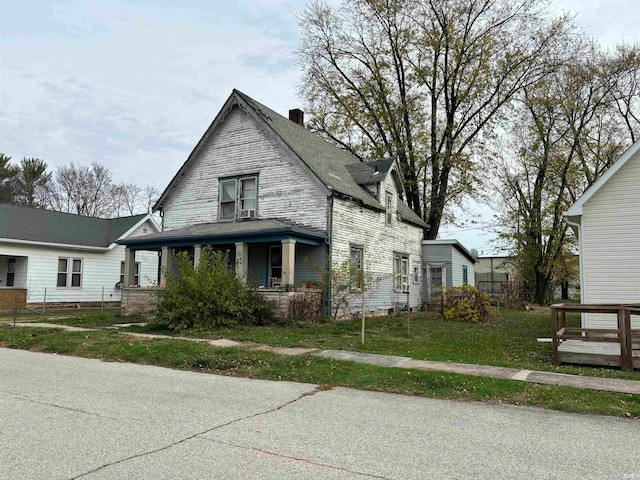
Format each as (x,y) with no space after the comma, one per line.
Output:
(142,301)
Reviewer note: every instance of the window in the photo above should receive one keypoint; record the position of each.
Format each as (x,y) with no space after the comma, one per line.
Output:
(69,272)
(248,193)
(228,200)
(238,198)
(416,276)
(465,275)
(400,273)
(357,266)
(11,271)
(389,209)
(136,274)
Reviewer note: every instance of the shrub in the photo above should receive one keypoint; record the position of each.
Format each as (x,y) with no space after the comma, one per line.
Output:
(306,307)
(208,296)
(466,304)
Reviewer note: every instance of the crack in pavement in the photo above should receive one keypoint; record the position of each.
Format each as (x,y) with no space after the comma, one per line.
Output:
(71,409)
(292,457)
(318,389)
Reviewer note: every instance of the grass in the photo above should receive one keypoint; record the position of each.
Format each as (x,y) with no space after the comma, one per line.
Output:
(510,341)
(243,362)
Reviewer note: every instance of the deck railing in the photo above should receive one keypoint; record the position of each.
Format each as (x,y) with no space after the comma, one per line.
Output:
(622,334)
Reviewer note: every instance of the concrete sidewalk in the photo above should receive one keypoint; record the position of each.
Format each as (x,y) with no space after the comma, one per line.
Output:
(392,361)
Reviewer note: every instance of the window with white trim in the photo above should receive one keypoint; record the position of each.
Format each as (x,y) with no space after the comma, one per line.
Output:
(388,209)
(357,266)
(400,272)
(238,198)
(136,274)
(69,273)
(416,276)
(465,275)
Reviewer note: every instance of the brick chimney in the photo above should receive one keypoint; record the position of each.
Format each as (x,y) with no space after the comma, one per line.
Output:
(297,116)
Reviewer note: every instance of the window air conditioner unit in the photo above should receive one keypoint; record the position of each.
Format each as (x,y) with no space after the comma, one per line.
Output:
(247,213)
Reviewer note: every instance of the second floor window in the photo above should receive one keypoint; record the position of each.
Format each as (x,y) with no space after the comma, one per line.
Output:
(388,209)
(238,198)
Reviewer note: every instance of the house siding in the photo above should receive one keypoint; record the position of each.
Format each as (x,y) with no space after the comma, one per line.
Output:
(357,225)
(458,260)
(239,146)
(100,270)
(609,244)
(433,254)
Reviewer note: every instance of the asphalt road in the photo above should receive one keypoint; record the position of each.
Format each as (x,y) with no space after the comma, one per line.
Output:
(64,417)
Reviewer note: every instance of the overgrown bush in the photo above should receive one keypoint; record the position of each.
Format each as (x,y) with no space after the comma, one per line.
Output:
(306,307)
(209,296)
(466,304)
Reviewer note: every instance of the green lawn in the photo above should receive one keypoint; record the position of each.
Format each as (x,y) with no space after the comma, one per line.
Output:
(177,354)
(510,341)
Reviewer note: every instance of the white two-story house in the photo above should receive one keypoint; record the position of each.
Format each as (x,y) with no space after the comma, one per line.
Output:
(280,199)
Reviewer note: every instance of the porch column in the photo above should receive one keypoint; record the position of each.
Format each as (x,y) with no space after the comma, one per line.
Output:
(242,260)
(129,266)
(197,250)
(166,264)
(288,262)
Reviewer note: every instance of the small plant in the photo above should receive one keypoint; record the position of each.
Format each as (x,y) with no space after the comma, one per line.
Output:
(466,304)
(210,295)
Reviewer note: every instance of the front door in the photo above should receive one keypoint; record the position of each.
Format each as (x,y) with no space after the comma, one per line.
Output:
(436,276)
(11,271)
(275,265)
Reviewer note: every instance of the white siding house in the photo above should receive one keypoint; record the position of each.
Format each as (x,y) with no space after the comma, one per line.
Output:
(447,263)
(279,198)
(606,219)
(66,258)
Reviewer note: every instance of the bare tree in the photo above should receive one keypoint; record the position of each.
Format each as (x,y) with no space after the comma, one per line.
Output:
(424,81)
(85,190)
(566,132)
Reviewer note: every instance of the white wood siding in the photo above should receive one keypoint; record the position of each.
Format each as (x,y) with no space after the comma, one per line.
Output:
(610,244)
(100,269)
(239,146)
(356,225)
(458,260)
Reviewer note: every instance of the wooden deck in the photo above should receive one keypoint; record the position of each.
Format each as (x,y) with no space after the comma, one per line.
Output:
(594,353)
(618,347)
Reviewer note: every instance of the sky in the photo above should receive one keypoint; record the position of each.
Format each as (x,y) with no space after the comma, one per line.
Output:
(133,85)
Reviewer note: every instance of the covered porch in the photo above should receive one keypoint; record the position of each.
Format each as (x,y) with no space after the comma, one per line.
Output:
(268,255)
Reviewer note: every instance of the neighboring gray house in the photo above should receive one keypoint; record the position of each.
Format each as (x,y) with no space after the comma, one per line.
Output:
(279,197)
(69,258)
(447,264)
(606,219)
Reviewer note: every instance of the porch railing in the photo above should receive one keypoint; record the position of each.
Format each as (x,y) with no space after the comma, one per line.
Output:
(623,334)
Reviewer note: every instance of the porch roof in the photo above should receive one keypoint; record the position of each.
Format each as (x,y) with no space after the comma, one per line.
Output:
(255,231)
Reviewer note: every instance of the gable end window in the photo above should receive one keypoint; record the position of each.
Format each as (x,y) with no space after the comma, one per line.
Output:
(400,273)
(388,208)
(69,273)
(238,198)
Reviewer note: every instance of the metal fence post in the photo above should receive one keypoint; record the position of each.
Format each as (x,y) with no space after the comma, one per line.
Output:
(44,302)
(102,302)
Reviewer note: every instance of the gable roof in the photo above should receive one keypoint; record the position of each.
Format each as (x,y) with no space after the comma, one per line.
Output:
(576,209)
(325,161)
(454,243)
(41,226)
